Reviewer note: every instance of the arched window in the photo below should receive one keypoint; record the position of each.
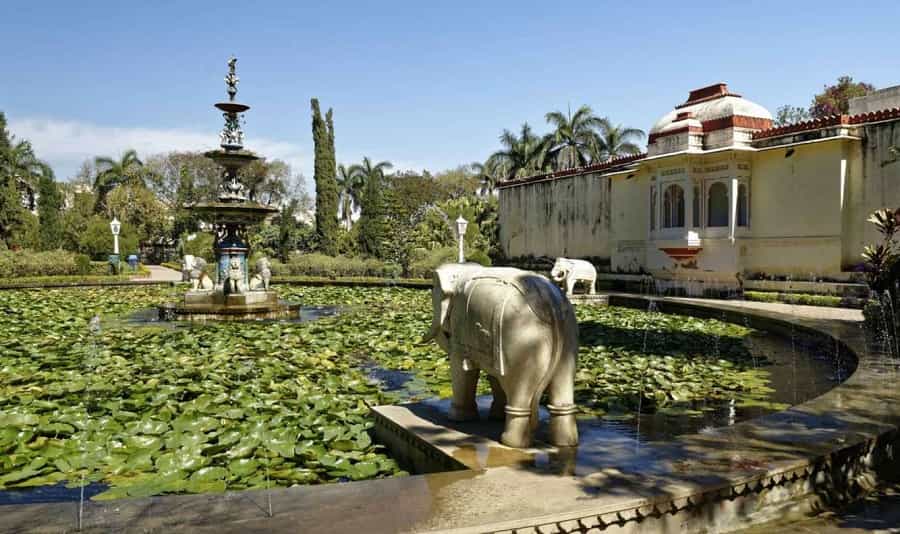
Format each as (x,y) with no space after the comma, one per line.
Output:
(717,205)
(696,205)
(673,207)
(743,206)
(653,207)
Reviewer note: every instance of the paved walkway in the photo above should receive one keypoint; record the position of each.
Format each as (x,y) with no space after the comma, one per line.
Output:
(809,312)
(158,273)
(798,310)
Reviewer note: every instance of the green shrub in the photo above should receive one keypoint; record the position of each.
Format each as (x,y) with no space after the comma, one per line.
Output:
(334,266)
(427,261)
(83,263)
(28,263)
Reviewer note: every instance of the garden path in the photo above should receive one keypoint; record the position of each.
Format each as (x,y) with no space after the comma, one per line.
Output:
(158,273)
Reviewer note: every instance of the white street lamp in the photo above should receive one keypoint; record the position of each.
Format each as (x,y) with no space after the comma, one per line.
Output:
(461,225)
(115,226)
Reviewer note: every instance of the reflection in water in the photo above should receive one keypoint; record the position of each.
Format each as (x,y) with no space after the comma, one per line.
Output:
(55,493)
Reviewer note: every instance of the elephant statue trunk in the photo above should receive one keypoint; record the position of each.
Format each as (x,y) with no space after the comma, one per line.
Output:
(519,329)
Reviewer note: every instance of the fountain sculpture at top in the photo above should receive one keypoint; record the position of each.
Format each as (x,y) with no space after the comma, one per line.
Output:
(229,216)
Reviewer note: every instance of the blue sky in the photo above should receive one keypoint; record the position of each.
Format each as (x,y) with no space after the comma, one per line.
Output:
(422,84)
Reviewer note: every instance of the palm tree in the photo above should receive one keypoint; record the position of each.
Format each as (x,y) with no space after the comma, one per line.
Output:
(616,141)
(111,173)
(351,185)
(369,171)
(521,155)
(19,162)
(489,174)
(575,137)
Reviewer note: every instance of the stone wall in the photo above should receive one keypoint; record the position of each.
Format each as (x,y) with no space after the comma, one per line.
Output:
(563,217)
(886,98)
(878,185)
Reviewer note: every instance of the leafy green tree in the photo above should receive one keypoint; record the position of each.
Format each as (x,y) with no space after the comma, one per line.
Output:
(137,206)
(12,214)
(790,115)
(266,181)
(326,185)
(287,226)
(617,141)
(460,181)
(97,239)
(373,220)
(835,99)
(112,173)
(574,138)
(179,178)
(49,210)
(75,220)
(523,154)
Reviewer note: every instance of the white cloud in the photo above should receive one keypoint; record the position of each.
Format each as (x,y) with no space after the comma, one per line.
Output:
(65,145)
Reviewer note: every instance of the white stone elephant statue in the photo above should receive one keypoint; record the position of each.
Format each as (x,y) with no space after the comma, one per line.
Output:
(571,272)
(517,327)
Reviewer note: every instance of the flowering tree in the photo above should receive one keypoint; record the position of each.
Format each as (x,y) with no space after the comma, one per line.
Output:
(835,99)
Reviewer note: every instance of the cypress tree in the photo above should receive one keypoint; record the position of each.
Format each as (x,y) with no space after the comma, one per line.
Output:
(326,184)
(49,211)
(4,134)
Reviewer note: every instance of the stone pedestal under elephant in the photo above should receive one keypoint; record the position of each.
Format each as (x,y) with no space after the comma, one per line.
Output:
(517,327)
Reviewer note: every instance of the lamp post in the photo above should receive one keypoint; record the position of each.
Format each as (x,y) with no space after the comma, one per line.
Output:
(115,226)
(461,225)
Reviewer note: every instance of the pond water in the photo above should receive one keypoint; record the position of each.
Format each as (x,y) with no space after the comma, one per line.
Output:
(217,391)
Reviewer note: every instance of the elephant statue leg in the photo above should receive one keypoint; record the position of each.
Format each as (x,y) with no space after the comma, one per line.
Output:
(570,286)
(462,407)
(593,289)
(563,430)
(518,428)
(499,402)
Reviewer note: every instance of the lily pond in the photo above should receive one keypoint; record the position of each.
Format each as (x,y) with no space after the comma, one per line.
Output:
(134,411)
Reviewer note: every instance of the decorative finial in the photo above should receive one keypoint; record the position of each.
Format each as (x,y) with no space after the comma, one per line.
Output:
(232,79)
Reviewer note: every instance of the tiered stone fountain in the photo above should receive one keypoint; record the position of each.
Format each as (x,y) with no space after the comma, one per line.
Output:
(228,292)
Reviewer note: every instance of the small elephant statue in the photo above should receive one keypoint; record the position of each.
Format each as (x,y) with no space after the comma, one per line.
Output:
(234,279)
(200,281)
(517,327)
(260,280)
(572,271)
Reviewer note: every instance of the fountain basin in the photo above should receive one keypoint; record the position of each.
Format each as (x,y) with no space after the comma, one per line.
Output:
(217,306)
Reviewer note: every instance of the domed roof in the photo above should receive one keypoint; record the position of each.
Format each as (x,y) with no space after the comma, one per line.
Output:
(709,103)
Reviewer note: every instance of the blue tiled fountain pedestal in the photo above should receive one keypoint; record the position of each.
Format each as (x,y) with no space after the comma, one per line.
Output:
(827,450)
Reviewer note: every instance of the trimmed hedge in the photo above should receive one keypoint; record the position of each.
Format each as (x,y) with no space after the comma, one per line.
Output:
(352,281)
(320,265)
(424,266)
(29,264)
